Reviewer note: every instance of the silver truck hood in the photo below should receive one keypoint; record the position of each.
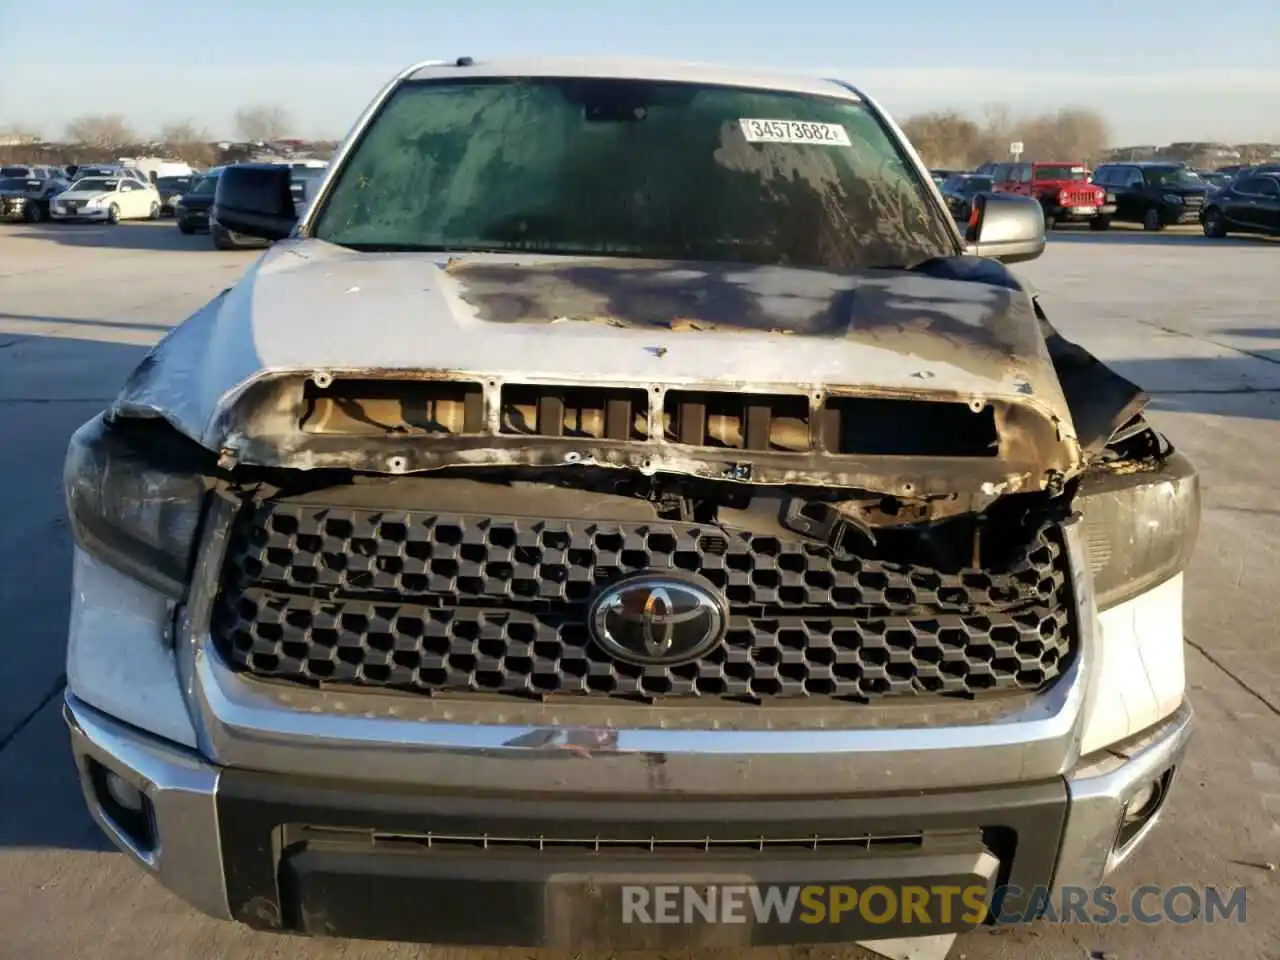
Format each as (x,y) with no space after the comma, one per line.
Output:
(307,307)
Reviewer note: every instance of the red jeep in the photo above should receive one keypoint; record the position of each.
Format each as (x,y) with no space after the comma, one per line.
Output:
(1063,189)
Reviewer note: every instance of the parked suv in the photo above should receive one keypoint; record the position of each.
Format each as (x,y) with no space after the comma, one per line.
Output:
(30,172)
(1241,169)
(192,208)
(28,198)
(171,191)
(623,509)
(959,189)
(1250,204)
(1153,194)
(1062,189)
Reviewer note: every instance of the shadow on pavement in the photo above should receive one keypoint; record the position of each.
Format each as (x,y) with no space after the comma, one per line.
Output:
(49,386)
(1243,386)
(130,235)
(40,789)
(1261,333)
(1161,238)
(81,322)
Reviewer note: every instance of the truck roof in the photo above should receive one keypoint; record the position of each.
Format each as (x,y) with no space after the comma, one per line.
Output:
(631,68)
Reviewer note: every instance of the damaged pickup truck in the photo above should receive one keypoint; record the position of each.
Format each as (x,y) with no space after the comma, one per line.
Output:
(624,474)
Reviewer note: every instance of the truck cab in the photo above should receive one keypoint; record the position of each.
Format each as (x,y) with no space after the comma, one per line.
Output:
(1064,190)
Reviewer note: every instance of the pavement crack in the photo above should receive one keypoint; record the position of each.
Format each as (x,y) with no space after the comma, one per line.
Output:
(1225,346)
(33,713)
(1240,681)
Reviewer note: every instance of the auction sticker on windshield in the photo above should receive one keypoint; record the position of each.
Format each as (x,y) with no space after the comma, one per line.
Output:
(794,131)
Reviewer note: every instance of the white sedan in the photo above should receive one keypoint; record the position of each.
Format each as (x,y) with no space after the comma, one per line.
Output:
(109,199)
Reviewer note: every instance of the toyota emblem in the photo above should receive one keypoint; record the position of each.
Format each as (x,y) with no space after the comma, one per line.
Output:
(658,619)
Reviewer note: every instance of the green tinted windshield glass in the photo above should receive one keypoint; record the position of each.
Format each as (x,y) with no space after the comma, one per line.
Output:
(633,168)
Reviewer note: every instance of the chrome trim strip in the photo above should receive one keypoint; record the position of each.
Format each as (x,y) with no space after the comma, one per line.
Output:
(182,788)
(366,736)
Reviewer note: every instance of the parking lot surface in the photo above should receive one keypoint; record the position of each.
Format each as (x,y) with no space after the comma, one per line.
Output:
(1194,321)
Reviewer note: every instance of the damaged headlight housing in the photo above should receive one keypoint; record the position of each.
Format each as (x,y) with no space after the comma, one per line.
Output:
(1140,525)
(135,492)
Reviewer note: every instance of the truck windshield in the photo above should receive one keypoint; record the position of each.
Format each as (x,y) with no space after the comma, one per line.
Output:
(1059,173)
(633,168)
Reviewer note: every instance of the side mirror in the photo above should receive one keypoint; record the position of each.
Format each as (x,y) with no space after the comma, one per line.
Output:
(1006,227)
(254,199)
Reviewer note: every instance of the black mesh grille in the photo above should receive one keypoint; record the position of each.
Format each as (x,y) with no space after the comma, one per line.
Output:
(429,602)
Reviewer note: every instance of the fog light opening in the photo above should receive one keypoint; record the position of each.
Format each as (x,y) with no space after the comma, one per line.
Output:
(1141,808)
(1136,810)
(125,805)
(124,793)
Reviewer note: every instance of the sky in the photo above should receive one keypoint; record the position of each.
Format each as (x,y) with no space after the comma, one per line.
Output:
(1159,70)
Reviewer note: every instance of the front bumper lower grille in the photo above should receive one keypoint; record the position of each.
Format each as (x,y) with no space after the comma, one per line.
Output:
(1076,197)
(448,603)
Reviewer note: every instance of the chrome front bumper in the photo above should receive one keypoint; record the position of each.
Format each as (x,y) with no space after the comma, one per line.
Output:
(187,851)
(186,856)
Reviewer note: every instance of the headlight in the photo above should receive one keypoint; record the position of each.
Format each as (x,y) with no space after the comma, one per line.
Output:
(1140,527)
(1172,198)
(135,492)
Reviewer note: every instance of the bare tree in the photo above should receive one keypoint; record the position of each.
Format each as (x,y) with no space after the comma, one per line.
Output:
(998,131)
(946,138)
(184,140)
(101,131)
(183,131)
(1073,133)
(263,122)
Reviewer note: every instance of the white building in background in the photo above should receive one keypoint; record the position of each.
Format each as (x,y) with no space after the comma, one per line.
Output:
(156,167)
